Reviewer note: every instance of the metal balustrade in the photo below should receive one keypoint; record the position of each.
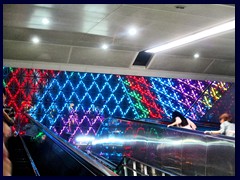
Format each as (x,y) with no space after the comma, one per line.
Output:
(133,167)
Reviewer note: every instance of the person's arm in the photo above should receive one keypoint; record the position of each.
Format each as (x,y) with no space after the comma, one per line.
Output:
(176,122)
(212,132)
(221,131)
(193,126)
(7,165)
(7,119)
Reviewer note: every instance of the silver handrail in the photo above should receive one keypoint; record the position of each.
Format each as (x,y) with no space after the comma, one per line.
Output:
(178,129)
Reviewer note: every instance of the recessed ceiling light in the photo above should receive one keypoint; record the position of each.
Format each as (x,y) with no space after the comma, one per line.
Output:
(35,40)
(45,21)
(196,56)
(132,31)
(104,46)
(194,37)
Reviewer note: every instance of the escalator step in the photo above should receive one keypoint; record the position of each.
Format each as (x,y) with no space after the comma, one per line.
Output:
(23,172)
(18,154)
(23,168)
(21,162)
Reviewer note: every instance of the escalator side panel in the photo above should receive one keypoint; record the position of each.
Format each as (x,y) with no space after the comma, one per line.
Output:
(193,154)
(176,150)
(220,161)
(165,150)
(55,156)
(51,160)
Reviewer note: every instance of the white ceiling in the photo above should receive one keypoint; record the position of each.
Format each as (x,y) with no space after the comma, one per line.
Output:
(72,39)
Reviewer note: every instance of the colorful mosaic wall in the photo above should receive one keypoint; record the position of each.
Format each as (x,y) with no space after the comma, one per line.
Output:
(72,103)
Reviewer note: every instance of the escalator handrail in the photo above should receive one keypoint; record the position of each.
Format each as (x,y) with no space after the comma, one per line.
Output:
(177,129)
(83,158)
(29,157)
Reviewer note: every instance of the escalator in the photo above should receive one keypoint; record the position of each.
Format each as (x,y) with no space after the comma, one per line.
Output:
(174,151)
(22,165)
(124,147)
(51,155)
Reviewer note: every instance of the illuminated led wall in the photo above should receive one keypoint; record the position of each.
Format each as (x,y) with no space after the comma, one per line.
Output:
(95,96)
(224,104)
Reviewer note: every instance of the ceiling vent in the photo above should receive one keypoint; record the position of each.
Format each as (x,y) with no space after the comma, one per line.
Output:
(143,58)
(180,7)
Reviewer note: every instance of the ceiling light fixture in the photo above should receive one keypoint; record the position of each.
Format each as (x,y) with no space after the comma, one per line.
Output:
(196,56)
(35,40)
(104,46)
(132,31)
(45,21)
(200,35)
